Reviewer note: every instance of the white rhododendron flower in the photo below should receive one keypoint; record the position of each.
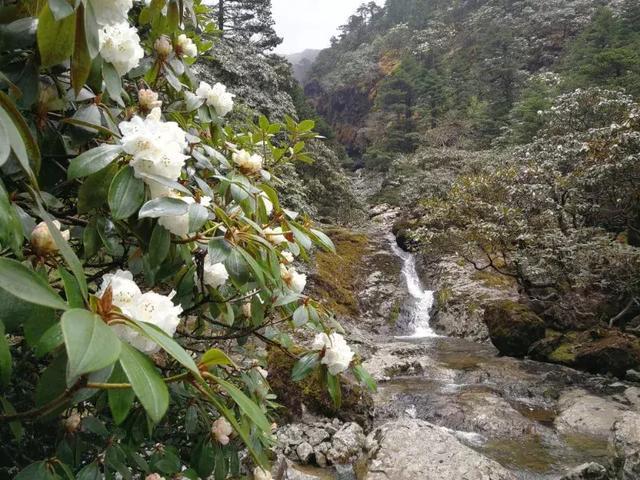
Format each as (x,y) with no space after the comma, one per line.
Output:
(294,280)
(274,235)
(179,224)
(214,275)
(287,257)
(154,476)
(110,12)
(148,99)
(216,97)
(42,241)
(337,354)
(120,46)
(248,162)
(157,147)
(156,309)
(221,430)
(185,46)
(124,290)
(261,474)
(148,307)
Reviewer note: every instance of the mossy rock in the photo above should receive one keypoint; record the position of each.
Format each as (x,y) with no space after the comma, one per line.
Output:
(597,350)
(513,327)
(357,402)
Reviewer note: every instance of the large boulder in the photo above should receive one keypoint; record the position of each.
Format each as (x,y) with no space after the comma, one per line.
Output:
(624,443)
(413,449)
(598,350)
(586,414)
(513,327)
(587,471)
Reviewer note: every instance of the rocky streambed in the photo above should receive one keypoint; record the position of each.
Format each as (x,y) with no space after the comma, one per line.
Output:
(451,408)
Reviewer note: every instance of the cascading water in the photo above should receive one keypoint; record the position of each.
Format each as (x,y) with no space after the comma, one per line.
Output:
(422,300)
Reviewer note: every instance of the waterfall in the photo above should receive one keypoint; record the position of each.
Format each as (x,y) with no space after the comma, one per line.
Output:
(422,300)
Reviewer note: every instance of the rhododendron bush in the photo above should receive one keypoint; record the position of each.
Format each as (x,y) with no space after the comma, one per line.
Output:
(147,261)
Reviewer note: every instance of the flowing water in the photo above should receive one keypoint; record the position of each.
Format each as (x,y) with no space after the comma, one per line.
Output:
(457,382)
(421,299)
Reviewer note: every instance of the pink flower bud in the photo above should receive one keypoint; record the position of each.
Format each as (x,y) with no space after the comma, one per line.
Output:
(42,241)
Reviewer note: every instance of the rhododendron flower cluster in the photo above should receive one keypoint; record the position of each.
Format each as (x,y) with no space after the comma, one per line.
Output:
(149,307)
(337,353)
(120,46)
(216,97)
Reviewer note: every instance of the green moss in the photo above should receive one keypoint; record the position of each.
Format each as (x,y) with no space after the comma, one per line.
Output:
(395,314)
(564,354)
(494,280)
(443,296)
(337,274)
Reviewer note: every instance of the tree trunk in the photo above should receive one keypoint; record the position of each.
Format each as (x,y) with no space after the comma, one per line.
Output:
(221,15)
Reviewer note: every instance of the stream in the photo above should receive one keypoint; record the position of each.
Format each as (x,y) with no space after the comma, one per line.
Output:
(512,411)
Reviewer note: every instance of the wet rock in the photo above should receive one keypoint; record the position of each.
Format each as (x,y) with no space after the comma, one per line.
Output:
(633,376)
(317,435)
(586,414)
(284,469)
(347,444)
(305,452)
(513,328)
(345,472)
(624,443)
(587,471)
(414,449)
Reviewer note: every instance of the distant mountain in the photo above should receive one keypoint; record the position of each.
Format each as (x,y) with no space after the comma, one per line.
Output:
(302,62)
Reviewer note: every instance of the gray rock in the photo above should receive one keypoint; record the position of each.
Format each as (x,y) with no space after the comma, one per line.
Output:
(286,470)
(633,376)
(347,444)
(414,449)
(321,459)
(624,442)
(583,413)
(317,435)
(587,471)
(345,472)
(290,435)
(305,452)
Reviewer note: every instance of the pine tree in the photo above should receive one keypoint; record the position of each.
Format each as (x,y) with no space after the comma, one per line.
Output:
(248,21)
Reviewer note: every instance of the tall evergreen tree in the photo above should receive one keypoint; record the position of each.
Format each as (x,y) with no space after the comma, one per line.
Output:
(248,21)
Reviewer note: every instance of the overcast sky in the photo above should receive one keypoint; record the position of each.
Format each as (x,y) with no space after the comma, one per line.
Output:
(310,23)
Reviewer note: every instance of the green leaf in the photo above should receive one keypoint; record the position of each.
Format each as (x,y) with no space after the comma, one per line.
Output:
(334,388)
(81,58)
(300,236)
(236,265)
(215,356)
(94,190)
(324,241)
(16,427)
(35,471)
(93,160)
(306,125)
(20,137)
(92,30)
(247,406)
(147,383)
(27,285)
(51,339)
(120,399)
(126,194)
(219,249)
(168,344)
(163,207)
(67,253)
(305,366)
(300,316)
(37,320)
(71,289)
(60,9)
(113,82)
(55,38)
(159,245)
(6,364)
(198,216)
(365,378)
(91,344)
(90,472)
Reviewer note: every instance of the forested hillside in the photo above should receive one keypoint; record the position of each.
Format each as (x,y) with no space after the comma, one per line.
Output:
(463,73)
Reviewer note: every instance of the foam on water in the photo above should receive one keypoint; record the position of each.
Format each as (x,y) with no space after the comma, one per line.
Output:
(422,299)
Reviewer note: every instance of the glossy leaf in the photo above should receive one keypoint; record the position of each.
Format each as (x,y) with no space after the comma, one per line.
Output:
(247,406)
(126,194)
(27,285)
(163,207)
(215,356)
(120,399)
(146,382)
(93,160)
(91,345)
(305,366)
(6,364)
(55,37)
